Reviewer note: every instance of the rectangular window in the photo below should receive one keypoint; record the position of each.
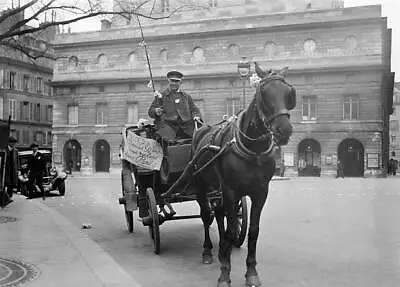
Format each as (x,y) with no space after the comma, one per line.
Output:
(12,80)
(25,137)
(45,139)
(1,108)
(73,114)
(25,84)
(394,125)
(12,109)
(37,113)
(350,108)
(14,133)
(133,113)
(49,113)
(39,138)
(309,111)
(49,138)
(1,78)
(131,87)
(101,89)
(72,90)
(164,5)
(101,113)
(39,85)
(233,106)
(31,111)
(213,3)
(49,88)
(393,139)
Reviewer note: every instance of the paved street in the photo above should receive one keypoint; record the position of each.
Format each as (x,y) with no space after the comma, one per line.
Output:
(314,232)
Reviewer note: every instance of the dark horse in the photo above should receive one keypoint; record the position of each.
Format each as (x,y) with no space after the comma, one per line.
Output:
(244,168)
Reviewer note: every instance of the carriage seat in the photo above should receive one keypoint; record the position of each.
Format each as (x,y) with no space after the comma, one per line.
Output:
(176,156)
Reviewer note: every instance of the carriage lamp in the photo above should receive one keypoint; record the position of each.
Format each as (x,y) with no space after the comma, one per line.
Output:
(244,71)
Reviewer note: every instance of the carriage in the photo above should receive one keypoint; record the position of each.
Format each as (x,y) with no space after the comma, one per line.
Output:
(142,188)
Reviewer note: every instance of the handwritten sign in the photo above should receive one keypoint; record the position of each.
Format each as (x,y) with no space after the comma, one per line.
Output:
(142,152)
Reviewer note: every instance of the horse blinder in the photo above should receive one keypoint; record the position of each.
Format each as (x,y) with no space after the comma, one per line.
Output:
(291,99)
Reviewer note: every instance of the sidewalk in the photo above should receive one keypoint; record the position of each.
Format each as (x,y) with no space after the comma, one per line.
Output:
(55,252)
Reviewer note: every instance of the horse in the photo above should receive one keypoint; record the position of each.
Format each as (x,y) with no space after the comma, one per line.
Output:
(244,167)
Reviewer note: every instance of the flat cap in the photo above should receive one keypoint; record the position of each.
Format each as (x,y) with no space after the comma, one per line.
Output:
(12,139)
(34,145)
(174,75)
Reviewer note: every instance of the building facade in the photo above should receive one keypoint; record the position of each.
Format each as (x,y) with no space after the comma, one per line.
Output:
(339,60)
(394,124)
(26,92)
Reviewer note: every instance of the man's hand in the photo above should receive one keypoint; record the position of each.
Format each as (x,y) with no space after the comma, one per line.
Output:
(158,111)
(196,119)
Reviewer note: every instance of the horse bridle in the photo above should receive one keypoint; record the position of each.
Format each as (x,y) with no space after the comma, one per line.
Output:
(267,121)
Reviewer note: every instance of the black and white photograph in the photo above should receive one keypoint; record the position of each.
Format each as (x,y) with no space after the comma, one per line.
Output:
(199,143)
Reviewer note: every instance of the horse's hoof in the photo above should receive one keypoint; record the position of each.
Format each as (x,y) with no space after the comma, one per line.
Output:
(223,284)
(207,259)
(252,281)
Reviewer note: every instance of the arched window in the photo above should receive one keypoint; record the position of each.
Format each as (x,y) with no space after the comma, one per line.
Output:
(102,60)
(233,51)
(73,61)
(132,58)
(270,49)
(350,44)
(163,55)
(309,46)
(198,55)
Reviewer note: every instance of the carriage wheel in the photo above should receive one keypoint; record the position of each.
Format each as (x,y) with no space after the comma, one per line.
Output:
(242,221)
(128,214)
(154,227)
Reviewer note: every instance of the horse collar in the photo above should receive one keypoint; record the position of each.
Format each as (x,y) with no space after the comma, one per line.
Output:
(240,149)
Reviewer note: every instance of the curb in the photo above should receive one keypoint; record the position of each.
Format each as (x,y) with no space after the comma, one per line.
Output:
(278,178)
(106,269)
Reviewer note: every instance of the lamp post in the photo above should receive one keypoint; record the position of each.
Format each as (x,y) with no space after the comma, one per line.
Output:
(244,71)
(377,139)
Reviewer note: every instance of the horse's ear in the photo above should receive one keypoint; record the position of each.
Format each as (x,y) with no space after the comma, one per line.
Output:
(283,72)
(259,71)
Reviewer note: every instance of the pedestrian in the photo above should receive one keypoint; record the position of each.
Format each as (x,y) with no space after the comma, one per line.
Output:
(174,110)
(340,170)
(36,170)
(282,169)
(11,168)
(393,164)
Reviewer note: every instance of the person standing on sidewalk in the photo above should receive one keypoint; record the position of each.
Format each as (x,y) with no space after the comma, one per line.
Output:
(340,170)
(36,170)
(11,168)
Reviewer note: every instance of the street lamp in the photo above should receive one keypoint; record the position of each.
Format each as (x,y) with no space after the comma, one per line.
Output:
(377,138)
(244,71)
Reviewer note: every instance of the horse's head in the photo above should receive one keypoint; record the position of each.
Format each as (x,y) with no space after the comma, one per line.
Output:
(274,98)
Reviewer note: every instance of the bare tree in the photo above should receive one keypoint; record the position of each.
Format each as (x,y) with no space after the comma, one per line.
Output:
(33,17)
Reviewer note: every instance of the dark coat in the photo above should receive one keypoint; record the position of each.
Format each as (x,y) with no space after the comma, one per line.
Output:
(178,112)
(37,165)
(12,164)
(175,105)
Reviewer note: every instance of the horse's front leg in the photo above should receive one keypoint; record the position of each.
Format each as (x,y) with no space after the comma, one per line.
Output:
(205,214)
(226,242)
(258,199)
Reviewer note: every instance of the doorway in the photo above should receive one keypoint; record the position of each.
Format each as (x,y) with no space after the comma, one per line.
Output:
(351,155)
(72,155)
(102,156)
(309,151)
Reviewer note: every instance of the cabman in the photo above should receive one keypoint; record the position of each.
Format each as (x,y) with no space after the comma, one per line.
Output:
(174,110)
